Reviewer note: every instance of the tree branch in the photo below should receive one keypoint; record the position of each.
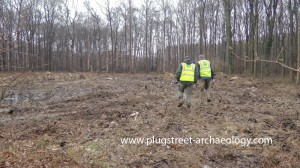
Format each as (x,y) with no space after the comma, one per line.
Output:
(269,61)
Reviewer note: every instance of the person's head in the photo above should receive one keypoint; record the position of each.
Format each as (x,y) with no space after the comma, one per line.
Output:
(187,60)
(201,57)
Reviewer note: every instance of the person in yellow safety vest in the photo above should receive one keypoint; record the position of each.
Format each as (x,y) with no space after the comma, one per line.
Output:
(206,74)
(187,75)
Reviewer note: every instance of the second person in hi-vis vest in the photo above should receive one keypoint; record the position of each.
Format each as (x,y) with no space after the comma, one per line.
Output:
(186,75)
(206,74)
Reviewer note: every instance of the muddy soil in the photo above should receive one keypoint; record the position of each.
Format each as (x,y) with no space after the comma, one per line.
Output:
(78,120)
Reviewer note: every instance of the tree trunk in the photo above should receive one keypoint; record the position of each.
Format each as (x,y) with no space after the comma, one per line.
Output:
(270,9)
(227,8)
(255,48)
(130,36)
(291,52)
(298,62)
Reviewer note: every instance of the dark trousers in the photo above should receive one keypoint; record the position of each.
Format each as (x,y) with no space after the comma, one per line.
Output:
(206,87)
(187,88)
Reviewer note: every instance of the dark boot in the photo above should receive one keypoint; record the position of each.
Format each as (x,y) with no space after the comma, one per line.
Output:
(188,105)
(180,103)
(180,97)
(208,95)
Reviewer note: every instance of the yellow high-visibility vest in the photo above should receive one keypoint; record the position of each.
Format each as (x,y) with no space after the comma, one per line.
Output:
(205,70)
(188,72)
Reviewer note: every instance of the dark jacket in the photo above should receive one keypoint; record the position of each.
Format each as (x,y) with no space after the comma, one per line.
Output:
(179,70)
(212,72)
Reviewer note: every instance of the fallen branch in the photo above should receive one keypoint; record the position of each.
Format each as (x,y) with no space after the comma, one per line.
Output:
(33,100)
(277,61)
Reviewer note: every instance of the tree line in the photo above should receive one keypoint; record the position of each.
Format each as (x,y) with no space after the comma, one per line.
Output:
(48,35)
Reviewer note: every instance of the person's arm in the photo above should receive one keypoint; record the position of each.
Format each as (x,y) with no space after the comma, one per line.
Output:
(178,72)
(198,67)
(196,76)
(212,72)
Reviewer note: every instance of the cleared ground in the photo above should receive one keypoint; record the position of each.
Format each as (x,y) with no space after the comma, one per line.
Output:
(78,120)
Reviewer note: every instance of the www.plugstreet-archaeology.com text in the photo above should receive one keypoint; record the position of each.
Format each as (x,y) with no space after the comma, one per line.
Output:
(187,141)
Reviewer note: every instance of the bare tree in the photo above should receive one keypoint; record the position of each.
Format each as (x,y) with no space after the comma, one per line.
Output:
(270,10)
(202,25)
(227,9)
(292,8)
(298,62)
(130,37)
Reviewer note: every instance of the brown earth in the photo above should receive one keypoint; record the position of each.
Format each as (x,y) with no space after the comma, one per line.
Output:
(78,120)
